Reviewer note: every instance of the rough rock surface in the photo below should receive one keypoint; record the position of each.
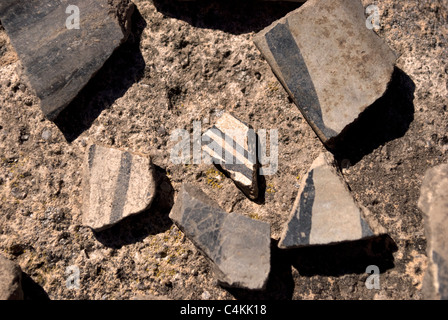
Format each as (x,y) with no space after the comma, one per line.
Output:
(192,63)
(324,211)
(10,280)
(59,61)
(151,297)
(434,203)
(232,145)
(117,184)
(330,63)
(238,246)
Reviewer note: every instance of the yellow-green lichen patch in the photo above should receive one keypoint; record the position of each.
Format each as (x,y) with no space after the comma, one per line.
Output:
(214,178)
(270,188)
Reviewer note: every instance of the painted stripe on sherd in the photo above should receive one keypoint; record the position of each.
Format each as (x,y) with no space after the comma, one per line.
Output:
(295,72)
(121,188)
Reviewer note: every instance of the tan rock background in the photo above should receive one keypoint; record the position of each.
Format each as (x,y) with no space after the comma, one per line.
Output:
(190,61)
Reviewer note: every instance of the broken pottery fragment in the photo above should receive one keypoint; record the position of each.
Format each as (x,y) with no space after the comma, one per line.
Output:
(232,145)
(59,60)
(329,62)
(10,280)
(325,212)
(116,184)
(238,247)
(434,204)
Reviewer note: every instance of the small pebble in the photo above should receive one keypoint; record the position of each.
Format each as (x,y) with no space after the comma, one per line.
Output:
(205,295)
(18,194)
(161,131)
(28,102)
(141,286)
(46,134)
(25,212)
(184,256)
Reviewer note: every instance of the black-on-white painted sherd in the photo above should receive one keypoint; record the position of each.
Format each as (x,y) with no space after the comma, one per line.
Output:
(59,61)
(330,63)
(325,212)
(434,204)
(116,184)
(238,247)
(232,145)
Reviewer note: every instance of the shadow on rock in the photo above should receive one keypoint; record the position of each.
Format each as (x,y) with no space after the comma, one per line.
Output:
(32,290)
(261,190)
(155,220)
(261,198)
(125,67)
(344,258)
(235,17)
(387,119)
(280,284)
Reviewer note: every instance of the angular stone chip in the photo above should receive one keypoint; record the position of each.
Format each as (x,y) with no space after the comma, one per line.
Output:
(238,247)
(58,61)
(116,184)
(232,146)
(329,62)
(434,204)
(324,211)
(10,280)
